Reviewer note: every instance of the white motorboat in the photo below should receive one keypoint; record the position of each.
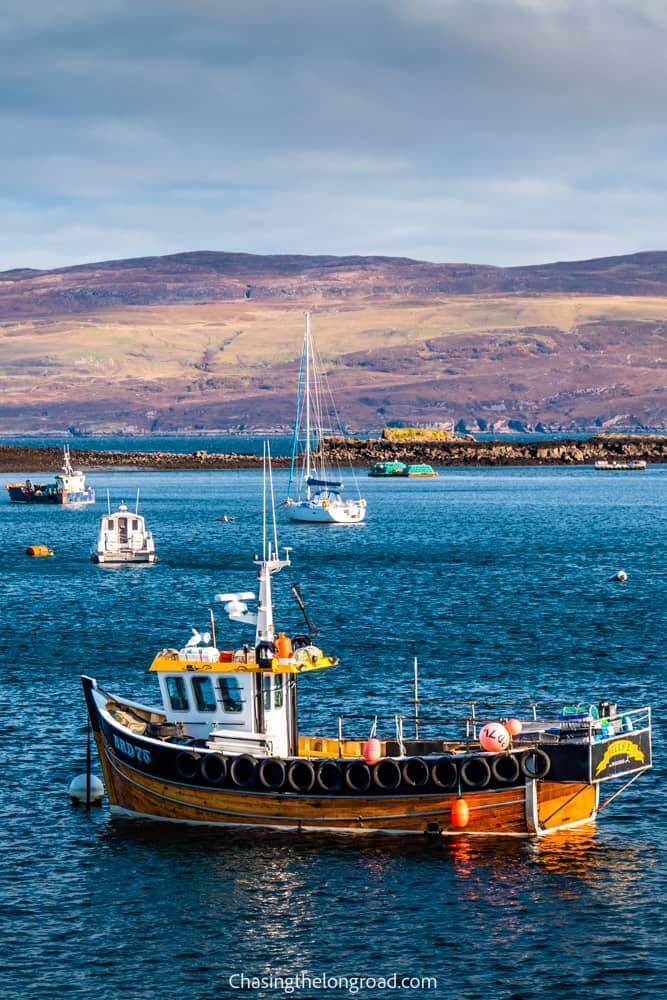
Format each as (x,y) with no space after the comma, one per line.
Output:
(124,538)
(633,465)
(317,496)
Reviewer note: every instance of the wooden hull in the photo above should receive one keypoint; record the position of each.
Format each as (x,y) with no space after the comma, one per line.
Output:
(533,809)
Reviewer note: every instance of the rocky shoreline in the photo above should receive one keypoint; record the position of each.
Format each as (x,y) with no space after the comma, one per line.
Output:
(359,452)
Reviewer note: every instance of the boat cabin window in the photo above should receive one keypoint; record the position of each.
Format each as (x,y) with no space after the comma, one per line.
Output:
(278,691)
(230,693)
(177,694)
(202,688)
(109,524)
(135,524)
(266,690)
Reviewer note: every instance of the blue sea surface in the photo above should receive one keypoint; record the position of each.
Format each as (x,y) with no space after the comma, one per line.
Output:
(499,581)
(281,444)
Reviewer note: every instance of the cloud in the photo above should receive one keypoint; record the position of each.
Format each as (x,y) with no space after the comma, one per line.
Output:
(507,132)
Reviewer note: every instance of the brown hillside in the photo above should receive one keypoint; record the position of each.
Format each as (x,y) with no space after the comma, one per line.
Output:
(213,339)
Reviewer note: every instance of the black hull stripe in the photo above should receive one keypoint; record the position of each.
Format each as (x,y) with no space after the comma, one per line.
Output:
(286,819)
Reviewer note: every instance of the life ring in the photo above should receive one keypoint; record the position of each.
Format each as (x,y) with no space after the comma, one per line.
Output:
(445,773)
(535,763)
(187,764)
(213,768)
(387,774)
(330,776)
(358,776)
(505,768)
(301,776)
(475,772)
(242,771)
(416,773)
(271,773)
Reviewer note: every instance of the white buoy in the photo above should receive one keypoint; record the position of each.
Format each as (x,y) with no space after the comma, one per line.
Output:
(77,790)
(620,577)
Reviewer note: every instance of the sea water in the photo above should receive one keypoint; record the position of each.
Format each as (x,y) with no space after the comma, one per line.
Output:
(499,581)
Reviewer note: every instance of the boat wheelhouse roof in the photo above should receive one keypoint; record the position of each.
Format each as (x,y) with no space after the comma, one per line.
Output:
(169,661)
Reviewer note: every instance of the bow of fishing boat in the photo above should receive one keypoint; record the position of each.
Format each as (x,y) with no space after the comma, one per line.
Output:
(223,745)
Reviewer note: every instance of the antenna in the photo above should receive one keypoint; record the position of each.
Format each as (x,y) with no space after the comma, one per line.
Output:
(136,508)
(108,501)
(310,625)
(273,501)
(210,610)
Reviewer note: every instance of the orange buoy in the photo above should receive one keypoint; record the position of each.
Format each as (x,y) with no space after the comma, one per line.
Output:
(38,550)
(372,750)
(494,737)
(460,813)
(284,649)
(513,726)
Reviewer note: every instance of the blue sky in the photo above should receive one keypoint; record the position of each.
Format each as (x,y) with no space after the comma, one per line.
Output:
(491,131)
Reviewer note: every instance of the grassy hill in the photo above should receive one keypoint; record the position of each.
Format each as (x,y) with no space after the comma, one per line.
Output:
(213,340)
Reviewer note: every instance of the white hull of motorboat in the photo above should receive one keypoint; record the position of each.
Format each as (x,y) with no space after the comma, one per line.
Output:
(333,512)
(145,558)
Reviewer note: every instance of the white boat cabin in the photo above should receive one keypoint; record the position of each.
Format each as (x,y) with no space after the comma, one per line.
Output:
(124,538)
(241,701)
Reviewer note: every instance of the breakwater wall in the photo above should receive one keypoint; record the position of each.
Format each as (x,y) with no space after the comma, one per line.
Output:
(359,452)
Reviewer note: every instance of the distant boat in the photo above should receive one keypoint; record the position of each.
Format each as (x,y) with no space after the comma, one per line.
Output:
(634,466)
(69,488)
(319,498)
(420,472)
(383,470)
(124,538)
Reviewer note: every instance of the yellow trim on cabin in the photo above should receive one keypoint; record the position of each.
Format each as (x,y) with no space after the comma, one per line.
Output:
(170,663)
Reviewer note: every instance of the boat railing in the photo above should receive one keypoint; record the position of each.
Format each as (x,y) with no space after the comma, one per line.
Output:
(479,712)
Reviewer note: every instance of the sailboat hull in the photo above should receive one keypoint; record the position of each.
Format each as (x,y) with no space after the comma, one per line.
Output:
(347,512)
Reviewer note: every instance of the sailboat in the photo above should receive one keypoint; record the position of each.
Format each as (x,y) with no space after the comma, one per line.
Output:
(319,498)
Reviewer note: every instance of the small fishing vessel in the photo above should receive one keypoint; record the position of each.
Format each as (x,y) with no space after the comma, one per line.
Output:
(222,746)
(384,470)
(603,465)
(124,538)
(69,488)
(318,497)
(419,472)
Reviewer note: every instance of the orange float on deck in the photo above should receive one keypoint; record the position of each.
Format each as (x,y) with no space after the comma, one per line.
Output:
(284,650)
(494,737)
(460,813)
(372,750)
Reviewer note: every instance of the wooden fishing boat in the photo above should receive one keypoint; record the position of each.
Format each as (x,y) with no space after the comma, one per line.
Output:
(223,747)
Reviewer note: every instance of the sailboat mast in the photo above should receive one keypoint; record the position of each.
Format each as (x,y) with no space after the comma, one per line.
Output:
(307,403)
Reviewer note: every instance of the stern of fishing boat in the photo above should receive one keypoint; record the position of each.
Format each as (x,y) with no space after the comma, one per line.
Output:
(588,760)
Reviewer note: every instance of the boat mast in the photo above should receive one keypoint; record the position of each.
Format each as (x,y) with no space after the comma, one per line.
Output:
(270,561)
(307,468)
(297,422)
